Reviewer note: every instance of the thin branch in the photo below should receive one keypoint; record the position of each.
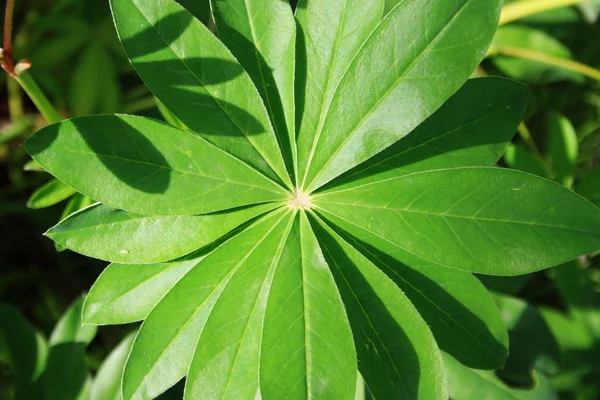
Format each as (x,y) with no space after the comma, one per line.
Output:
(544,58)
(521,9)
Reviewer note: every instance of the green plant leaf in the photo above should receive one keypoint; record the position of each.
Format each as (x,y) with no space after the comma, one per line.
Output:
(459,311)
(147,167)
(163,350)
(398,356)
(529,71)
(562,149)
(432,60)
(589,186)
(330,34)
(267,51)
(519,157)
(50,194)
(126,293)
(23,349)
(75,204)
(118,236)
(91,83)
(473,128)
(198,8)
(468,384)
(514,224)
(306,332)
(107,382)
(583,301)
(195,75)
(70,328)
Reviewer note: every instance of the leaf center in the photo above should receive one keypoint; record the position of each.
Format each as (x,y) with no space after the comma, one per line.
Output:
(299,200)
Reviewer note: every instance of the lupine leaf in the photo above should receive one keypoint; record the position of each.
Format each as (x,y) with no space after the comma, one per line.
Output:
(118,236)
(459,311)
(195,75)
(473,128)
(396,351)
(330,33)
(317,357)
(163,350)
(261,34)
(412,69)
(513,224)
(147,167)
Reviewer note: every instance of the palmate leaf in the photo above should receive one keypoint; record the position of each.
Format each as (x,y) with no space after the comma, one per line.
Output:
(291,234)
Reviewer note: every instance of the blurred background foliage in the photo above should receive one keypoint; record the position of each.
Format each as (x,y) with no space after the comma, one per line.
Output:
(553,316)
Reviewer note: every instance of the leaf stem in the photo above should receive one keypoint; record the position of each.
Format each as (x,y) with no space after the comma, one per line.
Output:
(559,62)
(19,71)
(8,62)
(48,111)
(521,9)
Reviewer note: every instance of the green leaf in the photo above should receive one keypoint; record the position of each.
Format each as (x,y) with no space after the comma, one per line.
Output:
(75,204)
(127,293)
(267,50)
(468,384)
(91,82)
(50,194)
(330,34)
(307,349)
(107,382)
(398,356)
(23,349)
(399,78)
(583,301)
(70,328)
(118,236)
(147,167)
(519,157)
(529,71)
(163,350)
(459,311)
(195,76)
(66,375)
(473,128)
(589,186)
(562,149)
(513,224)
(532,344)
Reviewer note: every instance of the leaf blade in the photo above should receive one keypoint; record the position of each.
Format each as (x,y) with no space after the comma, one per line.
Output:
(516,223)
(157,170)
(434,60)
(193,73)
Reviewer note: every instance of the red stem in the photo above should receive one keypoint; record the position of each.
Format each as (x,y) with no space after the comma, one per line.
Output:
(9,61)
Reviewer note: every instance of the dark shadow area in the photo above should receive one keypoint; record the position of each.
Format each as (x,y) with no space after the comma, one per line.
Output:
(147,41)
(196,71)
(377,336)
(126,153)
(180,86)
(449,334)
(532,346)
